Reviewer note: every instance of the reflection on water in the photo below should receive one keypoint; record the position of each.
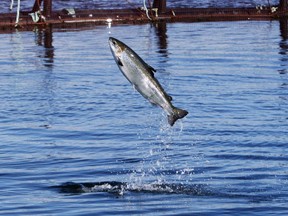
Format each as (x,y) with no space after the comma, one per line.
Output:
(44,37)
(161,33)
(283,46)
(49,49)
(283,71)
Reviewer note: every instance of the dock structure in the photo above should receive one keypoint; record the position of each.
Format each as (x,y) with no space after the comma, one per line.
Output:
(158,11)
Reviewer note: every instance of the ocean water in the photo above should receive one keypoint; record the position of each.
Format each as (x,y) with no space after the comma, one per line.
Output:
(77,139)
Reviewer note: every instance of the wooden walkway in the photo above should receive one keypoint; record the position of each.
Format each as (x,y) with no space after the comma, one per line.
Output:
(62,19)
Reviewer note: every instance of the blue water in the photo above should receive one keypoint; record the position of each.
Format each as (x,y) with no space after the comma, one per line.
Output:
(77,139)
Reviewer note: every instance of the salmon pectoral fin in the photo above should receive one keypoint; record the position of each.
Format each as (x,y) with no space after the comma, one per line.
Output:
(177,114)
(119,62)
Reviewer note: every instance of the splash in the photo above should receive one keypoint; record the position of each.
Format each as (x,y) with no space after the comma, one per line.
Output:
(118,188)
(158,149)
(155,172)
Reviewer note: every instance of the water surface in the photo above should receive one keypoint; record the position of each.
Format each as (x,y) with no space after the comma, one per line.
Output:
(76,139)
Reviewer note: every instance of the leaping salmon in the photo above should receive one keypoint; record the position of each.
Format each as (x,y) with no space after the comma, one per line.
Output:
(141,76)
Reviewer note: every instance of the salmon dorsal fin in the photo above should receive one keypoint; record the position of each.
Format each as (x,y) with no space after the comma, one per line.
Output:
(151,68)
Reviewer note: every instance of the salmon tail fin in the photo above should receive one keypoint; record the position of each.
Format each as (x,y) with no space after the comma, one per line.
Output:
(177,114)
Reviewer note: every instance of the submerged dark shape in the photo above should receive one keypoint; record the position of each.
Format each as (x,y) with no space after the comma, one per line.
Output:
(119,188)
(77,188)
(141,76)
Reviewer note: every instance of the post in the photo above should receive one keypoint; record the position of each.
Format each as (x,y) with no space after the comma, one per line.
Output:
(161,5)
(47,8)
(36,6)
(283,5)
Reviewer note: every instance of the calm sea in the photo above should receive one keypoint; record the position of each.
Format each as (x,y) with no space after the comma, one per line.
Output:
(77,139)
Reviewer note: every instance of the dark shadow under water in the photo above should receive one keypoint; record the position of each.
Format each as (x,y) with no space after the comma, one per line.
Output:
(196,190)
(119,188)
